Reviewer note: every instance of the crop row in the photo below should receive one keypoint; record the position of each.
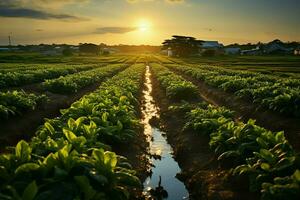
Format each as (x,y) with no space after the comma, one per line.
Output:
(70,157)
(24,76)
(176,87)
(73,82)
(265,157)
(270,92)
(17,102)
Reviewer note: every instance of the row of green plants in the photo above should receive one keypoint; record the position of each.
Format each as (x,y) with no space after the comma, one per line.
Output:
(73,82)
(268,92)
(13,103)
(176,87)
(264,157)
(23,76)
(72,157)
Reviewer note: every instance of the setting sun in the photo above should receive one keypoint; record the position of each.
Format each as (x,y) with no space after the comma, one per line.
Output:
(144,25)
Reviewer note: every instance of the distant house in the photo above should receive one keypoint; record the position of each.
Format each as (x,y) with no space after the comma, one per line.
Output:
(169,52)
(6,49)
(275,47)
(252,52)
(211,47)
(2,49)
(232,51)
(297,51)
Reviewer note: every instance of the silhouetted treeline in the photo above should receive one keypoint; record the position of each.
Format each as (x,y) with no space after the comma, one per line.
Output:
(249,46)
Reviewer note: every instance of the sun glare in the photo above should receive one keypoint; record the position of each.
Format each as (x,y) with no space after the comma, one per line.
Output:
(144,25)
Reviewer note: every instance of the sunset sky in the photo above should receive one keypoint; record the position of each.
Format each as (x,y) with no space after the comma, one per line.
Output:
(147,21)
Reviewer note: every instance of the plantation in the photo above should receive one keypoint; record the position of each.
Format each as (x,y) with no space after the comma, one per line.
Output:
(97,130)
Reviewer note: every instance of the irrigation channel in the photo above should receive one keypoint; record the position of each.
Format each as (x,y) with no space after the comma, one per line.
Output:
(162,183)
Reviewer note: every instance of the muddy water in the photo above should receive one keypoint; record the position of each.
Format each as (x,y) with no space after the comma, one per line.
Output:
(164,165)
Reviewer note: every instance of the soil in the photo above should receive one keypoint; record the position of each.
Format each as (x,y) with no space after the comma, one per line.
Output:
(201,172)
(244,110)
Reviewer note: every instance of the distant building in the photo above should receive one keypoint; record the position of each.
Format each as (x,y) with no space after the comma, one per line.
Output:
(2,49)
(252,52)
(6,49)
(297,51)
(211,48)
(232,51)
(169,52)
(275,47)
(211,45)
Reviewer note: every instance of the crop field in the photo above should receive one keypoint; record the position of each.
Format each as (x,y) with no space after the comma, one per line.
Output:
(147,126)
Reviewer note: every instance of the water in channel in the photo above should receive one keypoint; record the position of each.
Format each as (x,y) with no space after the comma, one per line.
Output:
(165,167)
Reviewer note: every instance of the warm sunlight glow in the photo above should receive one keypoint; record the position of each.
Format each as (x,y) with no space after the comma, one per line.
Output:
(144,25)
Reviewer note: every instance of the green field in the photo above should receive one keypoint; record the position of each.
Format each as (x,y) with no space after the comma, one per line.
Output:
(76,127)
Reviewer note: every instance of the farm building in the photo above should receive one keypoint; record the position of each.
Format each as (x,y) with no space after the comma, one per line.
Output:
(252,52)
(297,51)
(211,45)
(275,47)
(168,52)
(232,51)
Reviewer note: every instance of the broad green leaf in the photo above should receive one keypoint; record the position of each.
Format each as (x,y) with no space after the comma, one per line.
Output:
(262,142)
(72,124)
(50,161)
(280,137)
(85,187)
(98,154)
(267,155)
(27,167)
(110,158)
(128,179)
(104,117)
(296,175)
(23,151)
(30,191)
(265,166)
(229,154)
(69,135)
(50,128)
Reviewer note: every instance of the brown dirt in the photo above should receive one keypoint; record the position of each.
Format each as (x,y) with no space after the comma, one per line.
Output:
(201,173)
(245,110)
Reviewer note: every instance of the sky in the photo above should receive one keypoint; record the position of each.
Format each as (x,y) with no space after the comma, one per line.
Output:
(147,22)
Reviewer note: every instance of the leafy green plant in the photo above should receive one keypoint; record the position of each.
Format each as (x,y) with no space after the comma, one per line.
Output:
(17,102)
(176,87)
(71,157)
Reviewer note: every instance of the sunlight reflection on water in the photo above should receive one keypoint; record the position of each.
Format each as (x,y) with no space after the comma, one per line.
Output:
(166,167)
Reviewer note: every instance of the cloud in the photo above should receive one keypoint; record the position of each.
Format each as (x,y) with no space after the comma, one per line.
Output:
(35,14)
(40,3)
(117,30)
(18,8)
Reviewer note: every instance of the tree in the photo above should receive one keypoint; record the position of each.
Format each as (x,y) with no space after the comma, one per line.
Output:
(67,52)
(182,45)
(89,48)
